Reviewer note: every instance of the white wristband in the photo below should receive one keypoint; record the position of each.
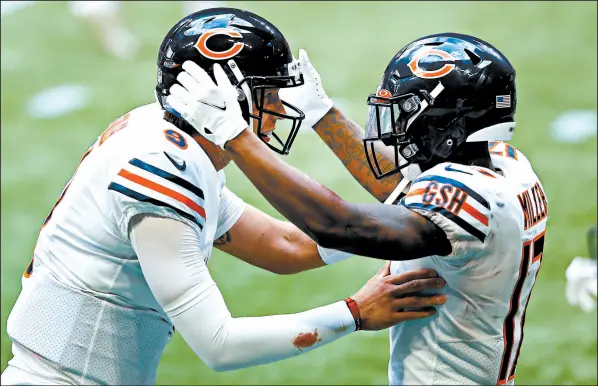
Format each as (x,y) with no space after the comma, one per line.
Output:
(331,256)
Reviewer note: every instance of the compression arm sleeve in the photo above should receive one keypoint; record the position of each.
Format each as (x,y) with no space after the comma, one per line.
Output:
(175,269)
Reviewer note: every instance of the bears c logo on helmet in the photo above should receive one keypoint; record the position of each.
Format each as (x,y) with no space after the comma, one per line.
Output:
(384,94)
(442,71)
(203,49)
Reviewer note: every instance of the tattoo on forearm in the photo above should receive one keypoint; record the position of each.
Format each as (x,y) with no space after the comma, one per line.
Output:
(345,138)
(225,238)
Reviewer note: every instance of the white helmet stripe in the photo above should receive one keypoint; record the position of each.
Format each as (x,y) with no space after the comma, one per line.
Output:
(424,104)
(245,87)
(499,132)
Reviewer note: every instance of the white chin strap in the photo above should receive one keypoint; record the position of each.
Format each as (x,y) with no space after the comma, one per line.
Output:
(395,193)
(244,87)
(411,172)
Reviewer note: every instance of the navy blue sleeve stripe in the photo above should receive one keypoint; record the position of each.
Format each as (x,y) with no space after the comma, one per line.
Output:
(170,177)
(456,219)
(141,197)
(456,184)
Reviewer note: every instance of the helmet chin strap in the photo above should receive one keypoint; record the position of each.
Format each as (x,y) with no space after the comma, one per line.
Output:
(411,171)
(244,87)
(397,191)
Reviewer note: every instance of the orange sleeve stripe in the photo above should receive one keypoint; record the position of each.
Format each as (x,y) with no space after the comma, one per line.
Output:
(164,190)
(416,192)
(475,213)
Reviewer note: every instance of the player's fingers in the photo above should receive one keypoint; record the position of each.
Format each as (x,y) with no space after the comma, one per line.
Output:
(419,314)
(412,275)
(200,75)
(177,104)
(221,77)
(181,94)
(384,271)
(418,285)
(417,302)
(194,87)
(224,84)
(306,67)
(303,58)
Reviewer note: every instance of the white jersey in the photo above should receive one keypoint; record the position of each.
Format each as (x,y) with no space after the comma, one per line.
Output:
(86,308)
(496,225)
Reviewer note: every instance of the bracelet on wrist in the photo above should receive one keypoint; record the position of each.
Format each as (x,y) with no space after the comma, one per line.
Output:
(355,312)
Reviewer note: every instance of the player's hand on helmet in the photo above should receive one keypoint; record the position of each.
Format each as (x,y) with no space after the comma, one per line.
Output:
(211,108)
(582,283)
(386,299)
(309,97)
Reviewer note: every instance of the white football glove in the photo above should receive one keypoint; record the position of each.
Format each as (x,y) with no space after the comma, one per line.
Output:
(582,283)
(310,97)
(212,109)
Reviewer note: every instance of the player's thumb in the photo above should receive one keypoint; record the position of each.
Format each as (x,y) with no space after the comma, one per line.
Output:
(306,66)
(221,78)
(303,58)
(385,270)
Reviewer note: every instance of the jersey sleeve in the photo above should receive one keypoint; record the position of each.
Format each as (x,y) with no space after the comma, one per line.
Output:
(454,199)
(149,184)
(230,210)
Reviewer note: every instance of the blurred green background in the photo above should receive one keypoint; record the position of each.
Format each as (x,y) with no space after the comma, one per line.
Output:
(551,44)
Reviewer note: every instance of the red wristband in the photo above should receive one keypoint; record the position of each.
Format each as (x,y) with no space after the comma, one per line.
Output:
(355,312)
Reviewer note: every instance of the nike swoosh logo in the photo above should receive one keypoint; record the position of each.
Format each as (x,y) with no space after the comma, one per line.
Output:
(179,164)
(448,168)
(223,108)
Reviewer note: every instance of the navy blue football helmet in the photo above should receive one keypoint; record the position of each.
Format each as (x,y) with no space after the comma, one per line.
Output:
(253,53)
(436,94)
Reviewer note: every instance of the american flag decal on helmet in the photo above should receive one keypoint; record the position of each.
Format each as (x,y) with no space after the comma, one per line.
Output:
(503,101)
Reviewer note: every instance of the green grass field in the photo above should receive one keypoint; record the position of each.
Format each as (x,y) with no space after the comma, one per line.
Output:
(552,45)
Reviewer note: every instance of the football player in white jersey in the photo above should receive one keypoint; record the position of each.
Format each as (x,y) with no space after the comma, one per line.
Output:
(121,259)
(474,209)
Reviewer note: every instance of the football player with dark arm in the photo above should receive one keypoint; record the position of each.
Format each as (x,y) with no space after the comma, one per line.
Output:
(381,231)
(341,134)
(345,138)
(376,230)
